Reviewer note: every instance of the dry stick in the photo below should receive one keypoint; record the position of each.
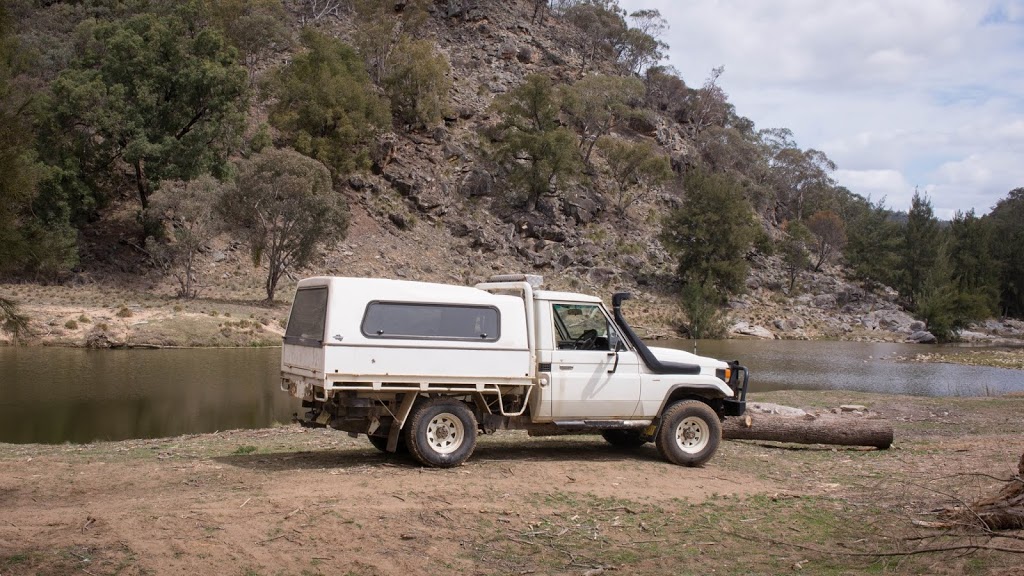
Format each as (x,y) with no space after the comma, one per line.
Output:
(954,497)
(279,536)
(244,503)
(626,509)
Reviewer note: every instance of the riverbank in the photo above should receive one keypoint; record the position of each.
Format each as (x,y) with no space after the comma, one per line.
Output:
(288,500)
(105,316)
(108,317)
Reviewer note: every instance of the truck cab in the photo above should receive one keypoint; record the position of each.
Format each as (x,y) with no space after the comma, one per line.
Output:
(424,368)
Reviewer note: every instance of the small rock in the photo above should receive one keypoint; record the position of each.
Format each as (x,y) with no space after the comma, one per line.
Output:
(852,408)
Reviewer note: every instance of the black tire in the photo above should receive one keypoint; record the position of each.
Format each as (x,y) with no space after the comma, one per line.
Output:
(381,443)
(623,438)
(689,434)
(441,432)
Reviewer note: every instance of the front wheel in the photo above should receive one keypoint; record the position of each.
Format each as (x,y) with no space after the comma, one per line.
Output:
(441,432)
(689,434)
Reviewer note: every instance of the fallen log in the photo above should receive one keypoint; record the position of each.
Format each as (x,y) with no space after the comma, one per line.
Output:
(838,431)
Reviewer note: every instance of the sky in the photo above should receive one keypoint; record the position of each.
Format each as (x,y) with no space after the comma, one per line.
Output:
(900,94)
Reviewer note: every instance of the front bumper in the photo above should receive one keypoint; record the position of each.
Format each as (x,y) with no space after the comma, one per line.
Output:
(738,382)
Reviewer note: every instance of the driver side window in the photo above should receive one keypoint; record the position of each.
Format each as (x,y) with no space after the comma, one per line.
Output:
(580,327)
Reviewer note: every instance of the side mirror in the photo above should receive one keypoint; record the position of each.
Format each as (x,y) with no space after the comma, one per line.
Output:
(614,344)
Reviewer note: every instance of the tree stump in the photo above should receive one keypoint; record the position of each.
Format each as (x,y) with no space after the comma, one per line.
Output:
(837,431)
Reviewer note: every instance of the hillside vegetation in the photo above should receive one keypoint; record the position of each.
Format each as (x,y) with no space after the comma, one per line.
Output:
(220,149)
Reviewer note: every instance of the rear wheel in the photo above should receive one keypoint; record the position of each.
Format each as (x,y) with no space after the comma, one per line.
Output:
(623,438)
(689,434)
(441,432)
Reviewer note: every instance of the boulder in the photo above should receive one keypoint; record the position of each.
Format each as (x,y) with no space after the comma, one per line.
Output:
(477,183)
(825,301)
(746,329)
(922,337)
(581,209)
(769,408)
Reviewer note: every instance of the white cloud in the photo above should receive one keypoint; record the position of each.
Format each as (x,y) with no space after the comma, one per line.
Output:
(899,93)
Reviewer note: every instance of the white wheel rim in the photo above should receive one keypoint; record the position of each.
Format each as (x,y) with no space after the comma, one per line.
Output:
(692,434)
(445,433)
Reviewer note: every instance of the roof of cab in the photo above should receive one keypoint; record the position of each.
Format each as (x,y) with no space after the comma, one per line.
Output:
(565,296)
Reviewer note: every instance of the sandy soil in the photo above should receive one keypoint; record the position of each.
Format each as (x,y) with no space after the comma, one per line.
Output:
(294,501)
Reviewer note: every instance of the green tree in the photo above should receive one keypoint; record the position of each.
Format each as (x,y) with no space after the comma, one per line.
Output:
(1007,222)
(151,94)
(597,104)
(793,250)
(537,152)
(35,238)
(921,241)
(326,106)
(418,83)
(974,269)
(944,307)
(380,29)
(256,28)
(12,320)
(188,209)
(874,247)
(284,208)
(640,46)
(799,179)
(637,169)
(711,233)
(828,235)
(602,27)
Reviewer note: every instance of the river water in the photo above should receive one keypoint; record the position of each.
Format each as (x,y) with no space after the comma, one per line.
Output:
(55,395)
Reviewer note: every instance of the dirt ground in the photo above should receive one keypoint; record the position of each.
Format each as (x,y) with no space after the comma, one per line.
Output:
(288,500)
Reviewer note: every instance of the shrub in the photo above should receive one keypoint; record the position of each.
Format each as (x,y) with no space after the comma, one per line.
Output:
(71,325)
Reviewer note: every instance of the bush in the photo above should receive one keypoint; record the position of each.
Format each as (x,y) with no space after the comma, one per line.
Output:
(418,83)
(124,312)
(706,320)
(326,105)
(71,325)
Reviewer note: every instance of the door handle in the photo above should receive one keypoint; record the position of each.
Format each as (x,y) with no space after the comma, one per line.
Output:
(565,366)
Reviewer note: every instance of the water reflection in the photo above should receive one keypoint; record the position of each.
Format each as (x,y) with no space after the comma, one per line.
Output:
(860,366)
(58,394)
(69,395)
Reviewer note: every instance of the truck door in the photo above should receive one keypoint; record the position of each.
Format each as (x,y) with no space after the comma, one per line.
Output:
(586,381)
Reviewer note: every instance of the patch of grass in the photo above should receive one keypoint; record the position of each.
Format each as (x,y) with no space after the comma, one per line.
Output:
(246,449)
(83,319)
(124,312)
(71,325)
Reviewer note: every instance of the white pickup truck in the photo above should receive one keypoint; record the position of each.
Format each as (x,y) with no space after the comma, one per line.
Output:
(425,368)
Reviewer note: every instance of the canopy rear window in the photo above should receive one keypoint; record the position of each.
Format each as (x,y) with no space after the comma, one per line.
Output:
(431,321)
(306,323)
